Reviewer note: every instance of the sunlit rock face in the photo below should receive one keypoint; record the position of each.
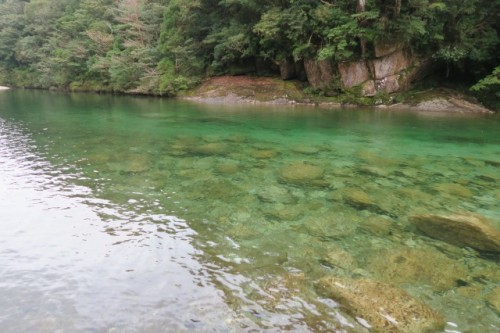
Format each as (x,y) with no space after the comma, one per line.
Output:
(381,307)
(462,230)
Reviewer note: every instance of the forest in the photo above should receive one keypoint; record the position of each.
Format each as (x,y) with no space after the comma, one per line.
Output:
(162,47)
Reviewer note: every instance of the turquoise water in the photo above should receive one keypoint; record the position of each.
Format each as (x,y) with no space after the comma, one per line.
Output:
(123,214)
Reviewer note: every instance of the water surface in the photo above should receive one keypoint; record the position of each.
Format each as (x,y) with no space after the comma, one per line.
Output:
(123,214)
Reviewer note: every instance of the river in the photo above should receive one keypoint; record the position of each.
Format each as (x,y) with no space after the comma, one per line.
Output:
(129,214)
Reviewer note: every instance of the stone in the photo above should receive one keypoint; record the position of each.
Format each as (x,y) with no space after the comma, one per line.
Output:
(319,73)
(264,153)
(391,64)
(385,308)
(453,189)
(331,225)
(368,88)
(357,198)
(353,74)
(461,230)
(373,171)
(338,258)
(377,225)
(306,150)
(227,168)
(284,213)
(213,148)
(301,173)
(276,194)
(389,84)
(493,299)
(417,266)
(137,163)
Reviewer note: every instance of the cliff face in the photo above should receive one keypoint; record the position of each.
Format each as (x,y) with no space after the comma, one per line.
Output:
(392,69)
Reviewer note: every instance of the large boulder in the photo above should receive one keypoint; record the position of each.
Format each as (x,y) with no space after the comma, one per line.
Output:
(391,64)
(384,308)
(319,73)
(462,230)
(353,74)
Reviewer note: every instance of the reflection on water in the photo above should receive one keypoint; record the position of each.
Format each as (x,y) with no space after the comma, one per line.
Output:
(132,214)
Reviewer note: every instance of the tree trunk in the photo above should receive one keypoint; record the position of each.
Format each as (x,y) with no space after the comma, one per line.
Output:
(397,7)
(361,4)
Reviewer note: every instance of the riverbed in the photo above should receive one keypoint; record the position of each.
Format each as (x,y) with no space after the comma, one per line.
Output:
(128,214)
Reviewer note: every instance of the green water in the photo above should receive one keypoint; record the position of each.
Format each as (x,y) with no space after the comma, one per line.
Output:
(147,215)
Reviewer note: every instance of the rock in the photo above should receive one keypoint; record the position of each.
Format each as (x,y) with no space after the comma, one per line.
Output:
(385,308)
(389,84)
(306,150)
(453,189)
(493,299)
(377,225)
(284,213)
(368,88)
(213,148)
(319,73)
(357,198)
(301,173)
(331,225)
(391,64)
(373,171)
(353,74)
(137,163)
(417,266)
(227,168)
(276,194)
(462,230)
(338,258)
(264,153)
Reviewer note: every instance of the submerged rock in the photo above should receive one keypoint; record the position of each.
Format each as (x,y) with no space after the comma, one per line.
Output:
(227,168)
(301,174)
(417,266)
(462,230)
(265,153)
(213,148)
(276,194)
(493,299)
(357,198)
(453,189)
(338,258)
(306,150)
(385,308)
(377,225)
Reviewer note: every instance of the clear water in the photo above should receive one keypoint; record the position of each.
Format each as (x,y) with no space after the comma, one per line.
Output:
(122,214)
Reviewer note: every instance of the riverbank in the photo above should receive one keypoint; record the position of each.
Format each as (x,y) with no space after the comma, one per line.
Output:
(4,88)
(274,91)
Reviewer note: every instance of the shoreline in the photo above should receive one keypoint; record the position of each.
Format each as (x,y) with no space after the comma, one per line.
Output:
(272,92)
(4,88)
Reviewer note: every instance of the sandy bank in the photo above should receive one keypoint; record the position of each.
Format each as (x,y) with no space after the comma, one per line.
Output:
(4,88)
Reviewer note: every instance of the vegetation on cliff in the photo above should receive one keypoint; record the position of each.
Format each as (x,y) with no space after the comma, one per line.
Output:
(164,46)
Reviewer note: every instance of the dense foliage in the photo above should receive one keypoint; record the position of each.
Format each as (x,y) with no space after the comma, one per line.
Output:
(162,46)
